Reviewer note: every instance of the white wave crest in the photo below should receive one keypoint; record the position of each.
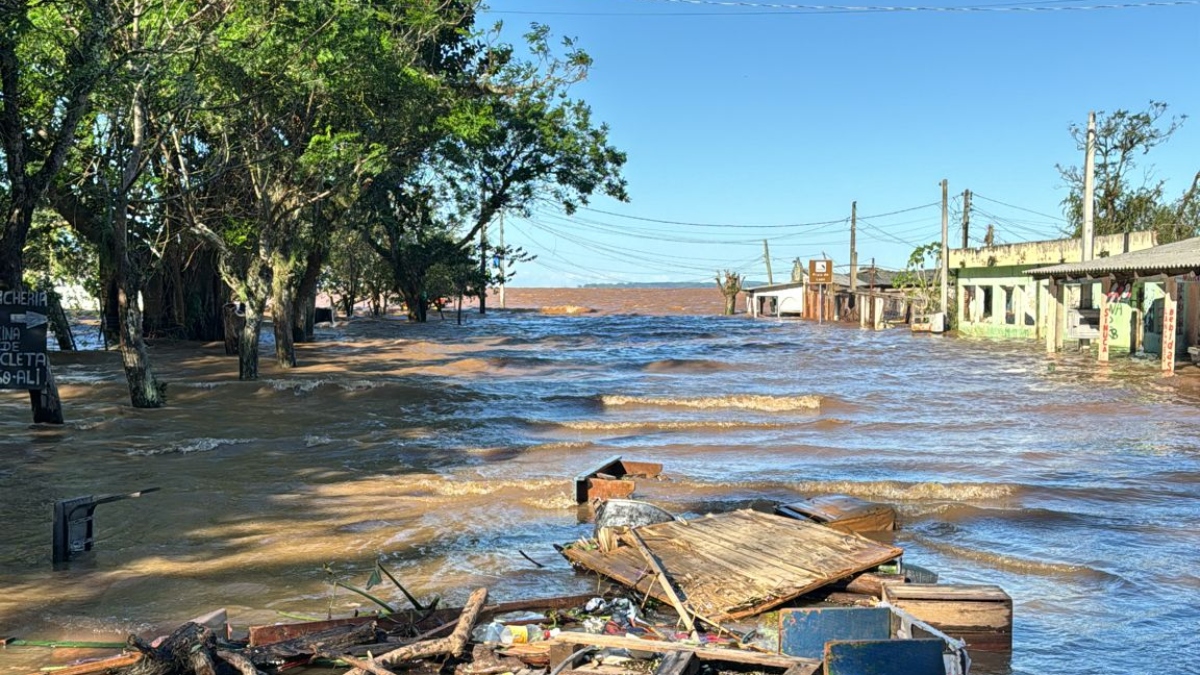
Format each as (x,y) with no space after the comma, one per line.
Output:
(746,402)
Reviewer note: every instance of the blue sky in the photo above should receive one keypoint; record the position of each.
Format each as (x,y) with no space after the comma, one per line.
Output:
(744,123)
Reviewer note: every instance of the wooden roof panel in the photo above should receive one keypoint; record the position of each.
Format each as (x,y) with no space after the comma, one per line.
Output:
(738,564)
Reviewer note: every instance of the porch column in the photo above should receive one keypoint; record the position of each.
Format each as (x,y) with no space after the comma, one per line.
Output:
(1170,320)
(1054,316)
(1193,313)
(1105,318)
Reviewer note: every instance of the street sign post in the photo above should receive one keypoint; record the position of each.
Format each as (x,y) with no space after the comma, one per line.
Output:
(820,272)
(23,319)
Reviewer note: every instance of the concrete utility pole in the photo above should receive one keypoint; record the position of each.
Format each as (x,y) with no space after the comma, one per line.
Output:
(966,218)
(1089,189)
(503,263)
(945,243)
(767,257)
(853,250)
(483,268)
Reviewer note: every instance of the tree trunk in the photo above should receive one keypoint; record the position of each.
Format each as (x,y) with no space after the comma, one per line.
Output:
(110,313)
(306,297)
(730,305)
(248,343)
(145,391)
(281,314)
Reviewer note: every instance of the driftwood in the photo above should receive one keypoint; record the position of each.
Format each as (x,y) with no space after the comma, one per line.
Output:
(330,640)
(101,665)
(448,646)
(187,650)
(244,665)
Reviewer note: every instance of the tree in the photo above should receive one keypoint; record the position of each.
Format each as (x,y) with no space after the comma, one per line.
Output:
(47,76)
(730,287)
(916,280)
(511,139)
(1123,202)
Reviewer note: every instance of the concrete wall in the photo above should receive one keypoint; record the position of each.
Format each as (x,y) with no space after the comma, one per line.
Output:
(1053,252)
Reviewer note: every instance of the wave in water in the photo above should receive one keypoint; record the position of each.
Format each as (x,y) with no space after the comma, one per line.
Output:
(744,402)
(685,366)
(664,425)
(194,445)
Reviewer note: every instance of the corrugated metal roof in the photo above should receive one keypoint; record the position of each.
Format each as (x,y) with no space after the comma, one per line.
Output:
(1179,256)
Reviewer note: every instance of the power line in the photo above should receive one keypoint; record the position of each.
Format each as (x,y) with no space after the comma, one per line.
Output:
(1019,208)
(1033,6)
(744,226)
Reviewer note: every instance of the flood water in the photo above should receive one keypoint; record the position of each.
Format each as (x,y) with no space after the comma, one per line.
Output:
(446,450)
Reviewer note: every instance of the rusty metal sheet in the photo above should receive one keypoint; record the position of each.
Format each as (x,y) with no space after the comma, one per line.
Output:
(738,564)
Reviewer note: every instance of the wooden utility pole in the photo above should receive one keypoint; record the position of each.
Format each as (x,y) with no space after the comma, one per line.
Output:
(966,218)
(945,243)
(1089,189)
(767,257)
(853,250)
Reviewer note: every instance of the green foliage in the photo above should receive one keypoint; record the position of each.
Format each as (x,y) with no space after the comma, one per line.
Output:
(1125,203)
(57,255)
(917,278)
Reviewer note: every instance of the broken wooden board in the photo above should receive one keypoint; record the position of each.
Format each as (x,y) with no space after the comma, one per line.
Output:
(842,512)
(737,564)
(608,480)
(980,615)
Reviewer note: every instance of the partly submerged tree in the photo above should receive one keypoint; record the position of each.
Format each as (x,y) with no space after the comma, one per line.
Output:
(1129,198)
(917,279)
(47,77)
(730,286)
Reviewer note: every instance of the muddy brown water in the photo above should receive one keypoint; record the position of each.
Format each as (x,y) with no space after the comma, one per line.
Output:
(446,450)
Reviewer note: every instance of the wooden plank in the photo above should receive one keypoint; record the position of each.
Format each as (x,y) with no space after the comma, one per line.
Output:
(678,663)
(665,582)
(884,657)
(980,615)
(804,631)
(99,666)
(738,564)
(947,592)
(663,647)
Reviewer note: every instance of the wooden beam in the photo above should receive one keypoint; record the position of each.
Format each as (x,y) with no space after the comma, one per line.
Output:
(664,581)
(703,653)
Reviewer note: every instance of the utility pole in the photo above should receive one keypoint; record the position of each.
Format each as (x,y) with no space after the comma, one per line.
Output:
(853,251)
(503,263)
(483,270)
(767,257)
(945,243)
(966,218)
(1089,189)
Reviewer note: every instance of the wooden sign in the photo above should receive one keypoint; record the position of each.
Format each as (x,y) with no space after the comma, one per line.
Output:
(23,363)
(820,271)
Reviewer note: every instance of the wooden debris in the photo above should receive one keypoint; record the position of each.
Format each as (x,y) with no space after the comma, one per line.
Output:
(665,582)
(842,512)
(244,665)
(100,665)
(662,647)
(331,640)
(678,663)
(981,615)
(738,564)
(187,650)
(449,646)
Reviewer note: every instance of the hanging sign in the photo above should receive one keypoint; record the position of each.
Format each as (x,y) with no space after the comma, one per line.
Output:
(23,318)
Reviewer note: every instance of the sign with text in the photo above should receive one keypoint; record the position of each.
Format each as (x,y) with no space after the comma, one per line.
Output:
(820,271)
(23,363)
